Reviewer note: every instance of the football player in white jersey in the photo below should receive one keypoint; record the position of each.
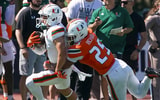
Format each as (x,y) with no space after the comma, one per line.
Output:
(54,42)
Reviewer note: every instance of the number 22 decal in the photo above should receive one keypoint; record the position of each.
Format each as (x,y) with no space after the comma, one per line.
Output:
(97,55)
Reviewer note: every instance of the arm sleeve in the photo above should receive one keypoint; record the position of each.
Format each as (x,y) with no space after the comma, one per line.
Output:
(56,32)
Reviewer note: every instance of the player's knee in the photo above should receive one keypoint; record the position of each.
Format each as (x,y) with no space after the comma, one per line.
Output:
(72,95)
(29,82)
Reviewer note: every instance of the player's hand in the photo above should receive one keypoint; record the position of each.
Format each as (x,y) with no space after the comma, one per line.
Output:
(34,38)
(47,65)
(62,75)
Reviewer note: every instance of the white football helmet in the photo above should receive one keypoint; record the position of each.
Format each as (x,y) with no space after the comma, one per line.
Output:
(53,15)
(76,31)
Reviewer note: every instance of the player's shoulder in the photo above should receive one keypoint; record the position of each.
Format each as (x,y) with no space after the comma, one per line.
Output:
(56,31)
(90,38)
(58,28)
(74,51)
(86,43)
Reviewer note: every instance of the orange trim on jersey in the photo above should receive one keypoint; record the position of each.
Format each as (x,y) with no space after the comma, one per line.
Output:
(75,52)
(94,53)
(74,56)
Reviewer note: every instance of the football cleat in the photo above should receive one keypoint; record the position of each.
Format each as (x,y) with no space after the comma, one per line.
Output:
(152,73)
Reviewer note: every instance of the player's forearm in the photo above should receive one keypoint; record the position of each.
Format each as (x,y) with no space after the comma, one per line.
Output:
(60,63)
(62,55)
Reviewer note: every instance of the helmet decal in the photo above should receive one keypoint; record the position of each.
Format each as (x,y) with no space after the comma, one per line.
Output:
(76,31)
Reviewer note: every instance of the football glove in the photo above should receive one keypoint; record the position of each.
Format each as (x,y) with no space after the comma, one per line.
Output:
(48,65)
(34,38)
(61,75)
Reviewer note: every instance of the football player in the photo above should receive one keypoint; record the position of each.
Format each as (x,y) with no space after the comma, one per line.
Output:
(55,74)
(87,48)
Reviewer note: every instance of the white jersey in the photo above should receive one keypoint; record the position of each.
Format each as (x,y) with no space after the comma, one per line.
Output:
(49,77)
(53,33)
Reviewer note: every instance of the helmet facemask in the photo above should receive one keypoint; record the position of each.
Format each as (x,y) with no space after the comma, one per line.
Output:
(42,22)
(71,40)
